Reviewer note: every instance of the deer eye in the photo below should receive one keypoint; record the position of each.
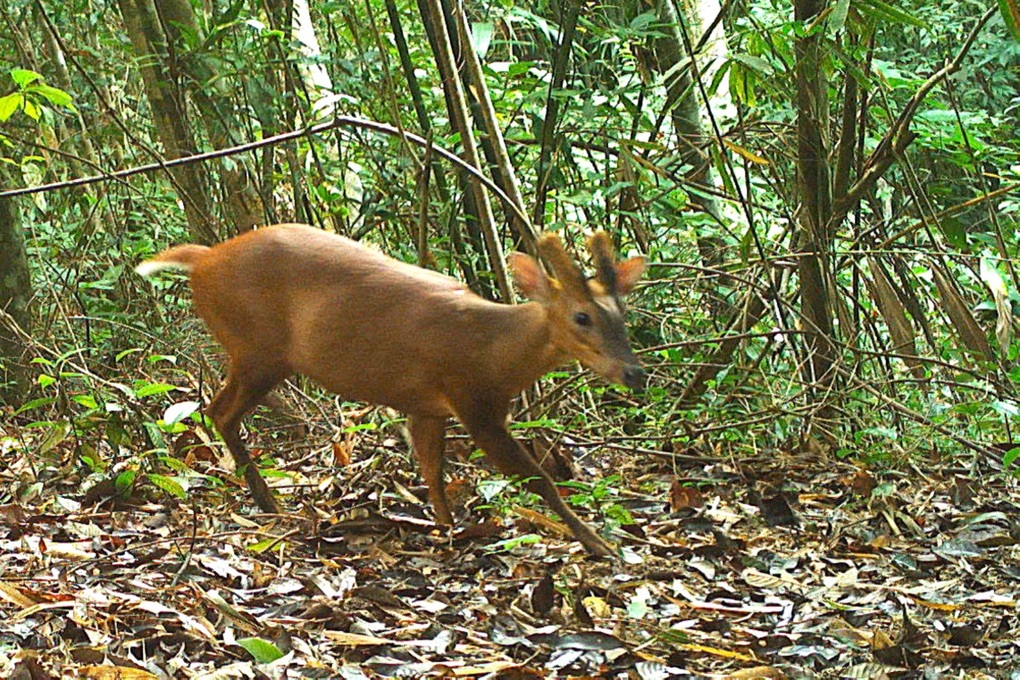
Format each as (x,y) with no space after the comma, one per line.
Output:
(582,319)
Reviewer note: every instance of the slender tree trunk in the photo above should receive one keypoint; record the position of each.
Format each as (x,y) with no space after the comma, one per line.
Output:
(561,60)
(814,185)
(214,104)
(15,294)
(461,121)
(504,174)
(673,58)
(169,113)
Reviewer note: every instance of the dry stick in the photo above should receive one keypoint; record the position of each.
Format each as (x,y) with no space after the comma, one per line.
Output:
(337,122)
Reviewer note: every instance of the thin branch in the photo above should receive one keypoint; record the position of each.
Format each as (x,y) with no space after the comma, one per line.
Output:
(337,122)
(899,136)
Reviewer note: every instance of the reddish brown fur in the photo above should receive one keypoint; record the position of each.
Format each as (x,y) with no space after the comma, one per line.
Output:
(293,299)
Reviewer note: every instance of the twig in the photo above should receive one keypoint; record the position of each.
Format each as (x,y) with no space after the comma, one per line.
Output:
(337,122)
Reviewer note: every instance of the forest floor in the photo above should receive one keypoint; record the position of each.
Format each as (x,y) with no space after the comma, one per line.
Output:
(782,565)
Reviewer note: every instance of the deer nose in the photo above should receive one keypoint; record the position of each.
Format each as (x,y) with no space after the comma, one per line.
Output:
(634,377)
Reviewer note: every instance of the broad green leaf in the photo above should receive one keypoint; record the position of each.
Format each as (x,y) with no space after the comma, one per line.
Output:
(886,12)
(86,400)
(10,104)
(167,484)
(149,389)
(24,77)
(263,651)
(53,95)
(756,64)
(32,109)
(1010,457)
(481,36)
(837,17)
(125,480)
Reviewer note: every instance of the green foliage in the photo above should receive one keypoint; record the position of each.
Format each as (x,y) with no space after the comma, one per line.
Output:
(124,358)
(31,96)
(263,651)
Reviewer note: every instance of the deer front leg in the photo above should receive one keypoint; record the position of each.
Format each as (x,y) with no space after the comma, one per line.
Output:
(512,459)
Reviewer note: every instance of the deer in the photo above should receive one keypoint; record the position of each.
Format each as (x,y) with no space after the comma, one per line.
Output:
(293,299)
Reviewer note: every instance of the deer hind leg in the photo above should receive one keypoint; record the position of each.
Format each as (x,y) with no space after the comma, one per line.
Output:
(246,384)
(428,434)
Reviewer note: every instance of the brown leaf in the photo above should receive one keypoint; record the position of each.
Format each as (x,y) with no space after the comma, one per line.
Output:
(342,453)
(543,595)
(862,483)
(764,672)
(538,519)
(29,669)
(681,496)
(970,332)
(895,316)
(113,673)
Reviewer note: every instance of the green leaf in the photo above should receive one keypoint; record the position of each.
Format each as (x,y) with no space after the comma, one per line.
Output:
(86,400)
(32,109)
(886,12)
(10,104)
(1010,10)
(263,651)
(481,36)
(124,481)
(35,403)
(167,484)
(53,95)
(58,433)
(127,352)
(24,77)
(756,64)
(1010,457)
(264,545)
(149,389)
(837,18)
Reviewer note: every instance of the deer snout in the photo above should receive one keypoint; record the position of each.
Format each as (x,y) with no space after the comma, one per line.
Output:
(634,377)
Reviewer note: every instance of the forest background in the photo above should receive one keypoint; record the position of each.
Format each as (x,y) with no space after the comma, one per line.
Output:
(826,192)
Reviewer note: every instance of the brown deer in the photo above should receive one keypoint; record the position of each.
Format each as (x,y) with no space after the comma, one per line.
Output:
(293,299)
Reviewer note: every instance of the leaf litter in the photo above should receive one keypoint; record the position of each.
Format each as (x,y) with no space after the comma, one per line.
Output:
(785,566)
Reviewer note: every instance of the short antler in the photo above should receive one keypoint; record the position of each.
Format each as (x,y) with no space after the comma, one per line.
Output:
(604,256)
(567,273)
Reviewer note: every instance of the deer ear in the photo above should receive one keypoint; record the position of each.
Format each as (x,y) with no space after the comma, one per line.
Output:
(628,272)
(529,277)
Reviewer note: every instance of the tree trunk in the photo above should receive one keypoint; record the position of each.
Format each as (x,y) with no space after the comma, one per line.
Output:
(15,294)
(671,52)
(169,113)
(814,239)
(569,10)
(460,118)
(204,84)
